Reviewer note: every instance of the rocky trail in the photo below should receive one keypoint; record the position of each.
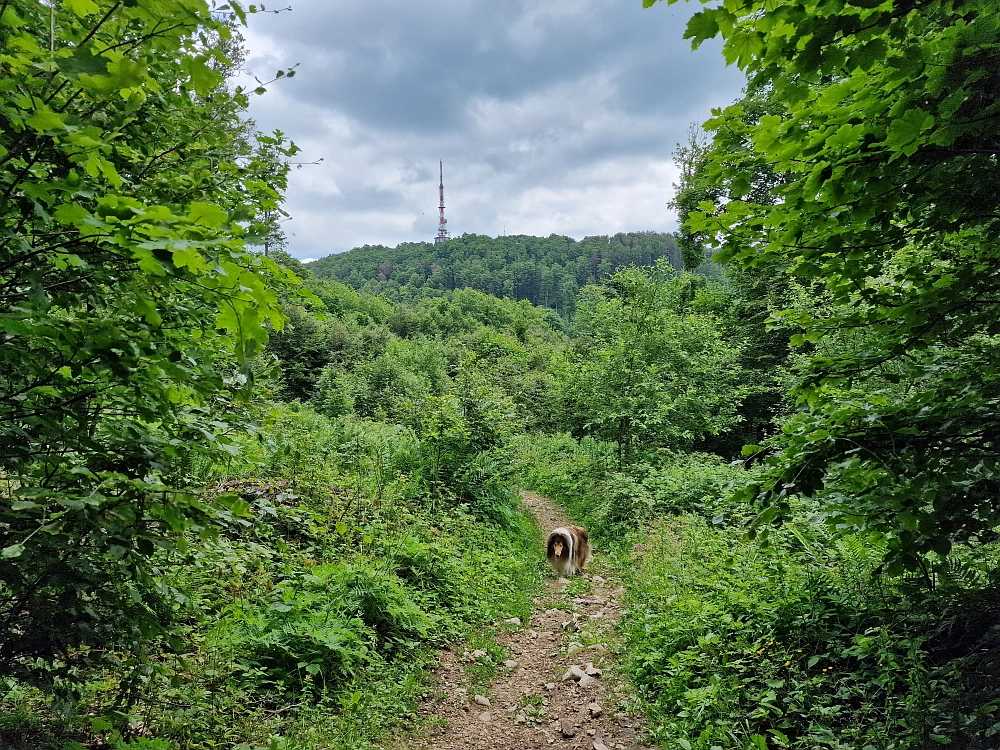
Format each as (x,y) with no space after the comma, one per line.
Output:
(558,687)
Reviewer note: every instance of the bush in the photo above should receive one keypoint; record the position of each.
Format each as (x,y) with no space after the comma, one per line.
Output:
(375,597)
(739,646)
(579,475)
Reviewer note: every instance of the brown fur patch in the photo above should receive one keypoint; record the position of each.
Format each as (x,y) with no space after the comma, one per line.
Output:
(568,549)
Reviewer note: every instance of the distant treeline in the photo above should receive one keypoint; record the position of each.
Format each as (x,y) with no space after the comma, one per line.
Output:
(547,271)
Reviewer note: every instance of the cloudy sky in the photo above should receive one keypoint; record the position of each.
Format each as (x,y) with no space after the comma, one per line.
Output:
(550,115)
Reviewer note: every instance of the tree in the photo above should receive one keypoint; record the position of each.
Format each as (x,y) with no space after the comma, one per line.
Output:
(648,372)
(887,141)
(693,189)
(131,309)
(754,293)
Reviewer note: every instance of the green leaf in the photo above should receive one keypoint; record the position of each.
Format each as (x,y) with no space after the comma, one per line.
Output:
(701,26)
(234,504)
(23,505)
(940,544)
(70,213)
(14,550)
(207,214)
(126,73)
(869,54)
(46,121)
(81,8)
(743,47)
(99,724)
(83,61)
(904,132)
(191,259)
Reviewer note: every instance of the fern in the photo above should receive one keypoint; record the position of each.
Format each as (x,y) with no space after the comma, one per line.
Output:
(955,573)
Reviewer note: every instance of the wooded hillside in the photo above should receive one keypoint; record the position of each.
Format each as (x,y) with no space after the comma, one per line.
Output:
(546,271)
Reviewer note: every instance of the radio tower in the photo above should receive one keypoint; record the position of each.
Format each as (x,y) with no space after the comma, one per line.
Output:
(442,234)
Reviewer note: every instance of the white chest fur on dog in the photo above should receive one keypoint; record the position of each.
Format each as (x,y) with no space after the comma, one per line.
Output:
(568,549)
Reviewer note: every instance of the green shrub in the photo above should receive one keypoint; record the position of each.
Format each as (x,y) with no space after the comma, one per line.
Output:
(291,646)
(738,646)
(375,597)
(567,470)
(579,475)
(143,743)
(697,483)
(431,568)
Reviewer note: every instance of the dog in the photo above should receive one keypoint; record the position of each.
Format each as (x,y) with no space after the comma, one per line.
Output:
(568,550)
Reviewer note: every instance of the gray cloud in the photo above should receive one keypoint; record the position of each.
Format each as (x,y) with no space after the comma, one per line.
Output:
(550,115)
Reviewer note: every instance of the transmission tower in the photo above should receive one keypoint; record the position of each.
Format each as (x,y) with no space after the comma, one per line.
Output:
(442,234)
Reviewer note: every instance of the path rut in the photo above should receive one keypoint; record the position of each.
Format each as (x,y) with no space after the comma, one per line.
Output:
(530,704)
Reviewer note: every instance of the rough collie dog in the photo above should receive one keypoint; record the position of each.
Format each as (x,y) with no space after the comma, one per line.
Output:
(568,550)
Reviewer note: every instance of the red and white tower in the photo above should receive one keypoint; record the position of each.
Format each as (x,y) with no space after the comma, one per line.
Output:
(442,234)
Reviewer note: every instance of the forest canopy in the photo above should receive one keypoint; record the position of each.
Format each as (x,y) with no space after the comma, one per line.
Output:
(546,271)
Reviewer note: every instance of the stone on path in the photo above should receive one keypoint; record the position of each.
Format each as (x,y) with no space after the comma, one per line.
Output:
(595,710)
(592,670)
(574,673)
(586,681)
(485,716)
(482,700)
(513,621)
(566,728)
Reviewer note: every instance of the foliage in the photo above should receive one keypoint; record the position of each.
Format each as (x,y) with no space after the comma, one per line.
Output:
(648,371)
(312,619)
(693,189)
(188,564)
(567,470)
(884,133)
(131,311)
(547,271)
(793,646)
(582,475)
(798,644)
(753,292)
(302,348)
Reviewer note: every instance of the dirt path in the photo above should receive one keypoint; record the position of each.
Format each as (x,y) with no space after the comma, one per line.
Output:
(530,704)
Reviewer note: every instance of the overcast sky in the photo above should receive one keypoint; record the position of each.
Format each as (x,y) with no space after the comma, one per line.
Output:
(550,115)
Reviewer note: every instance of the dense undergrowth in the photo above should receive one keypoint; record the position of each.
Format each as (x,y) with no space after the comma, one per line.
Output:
(310,620)
(801,642)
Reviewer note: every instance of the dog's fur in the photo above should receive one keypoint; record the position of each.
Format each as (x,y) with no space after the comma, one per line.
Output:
(568,550)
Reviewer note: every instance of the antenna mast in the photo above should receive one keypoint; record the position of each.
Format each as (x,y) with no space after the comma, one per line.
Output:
(442,234)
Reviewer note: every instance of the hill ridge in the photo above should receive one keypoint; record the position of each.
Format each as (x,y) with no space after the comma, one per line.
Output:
(547,271)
